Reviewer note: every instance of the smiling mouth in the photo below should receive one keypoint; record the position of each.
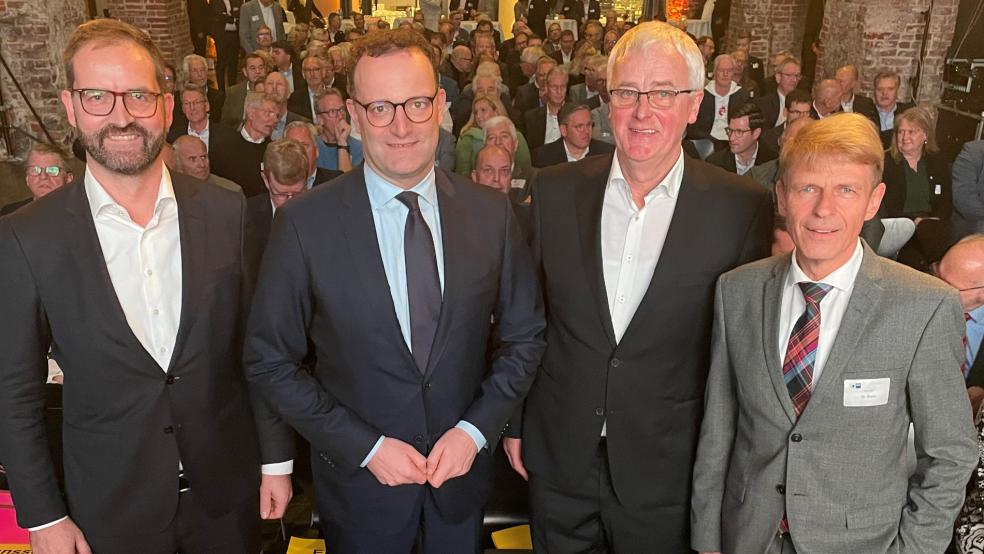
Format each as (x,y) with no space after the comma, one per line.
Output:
(644,131)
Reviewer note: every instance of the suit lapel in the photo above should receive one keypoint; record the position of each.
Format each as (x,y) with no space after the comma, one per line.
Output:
(193,230)
(454,227)
(589,199)
(771,310)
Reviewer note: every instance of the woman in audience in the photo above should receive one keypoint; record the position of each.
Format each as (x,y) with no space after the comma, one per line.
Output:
(581,55)
(472,138)
(917,186)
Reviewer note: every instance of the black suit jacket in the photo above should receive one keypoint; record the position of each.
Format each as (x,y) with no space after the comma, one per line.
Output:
(126,422)
(527,98)
(701,128)
(725,159)
(14,206)
(553,153)
(219,17)
(770,137)
(303,13)
(940,187)
(650,385)
(574,9)
(366,383)
(535,126)
(866,107)
(239,161)
(769,105)
(976,376)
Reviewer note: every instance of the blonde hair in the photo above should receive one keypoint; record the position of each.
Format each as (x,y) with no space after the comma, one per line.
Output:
(922,118)
(286,161)
(843,137)
(496,104)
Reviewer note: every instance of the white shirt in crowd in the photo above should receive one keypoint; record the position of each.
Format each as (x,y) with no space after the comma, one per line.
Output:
(743,168)
(782,109)
(552,131)
(203,135)
(720,110)
(572,157)
(270,19)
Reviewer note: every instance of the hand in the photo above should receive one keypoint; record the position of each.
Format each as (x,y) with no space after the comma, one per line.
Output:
(63,537)
(514,452)
(398,463)
(451,457)
(275,493)
(976,397)
(342,131)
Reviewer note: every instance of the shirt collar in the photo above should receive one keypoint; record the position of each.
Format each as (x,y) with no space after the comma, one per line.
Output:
(382,192)
(977,314)
(890,111)
(670,184)
(100,200)
(248,138)
(713,90)
(567,151)
(841,278)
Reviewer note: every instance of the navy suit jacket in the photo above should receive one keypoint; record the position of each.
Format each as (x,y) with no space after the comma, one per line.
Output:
(553,153)
(334,292)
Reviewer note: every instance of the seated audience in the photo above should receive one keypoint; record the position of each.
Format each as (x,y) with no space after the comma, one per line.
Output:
(741,77)
(796,105)
(564,54)
(285,61)
(595,79)
(500,131)
(826,99)
(191,158)
(787,78)
(255,69)
(337,148)
(473,137)
(962,267)
(196,108)
(241,162)
(847,76)
(540,124)
(45,169)
(744,151)
(195,71)
(767,173)
(756,69)
(486,82)
(458,66)
(887,104)
(306,135)
(493,168)
(602,127)
(721,96)
(275,85)
(528,96)
(968,187)
(575,142)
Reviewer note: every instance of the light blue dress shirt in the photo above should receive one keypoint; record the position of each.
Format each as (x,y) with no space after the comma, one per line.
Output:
(975,332)
(887,120)
(389,216)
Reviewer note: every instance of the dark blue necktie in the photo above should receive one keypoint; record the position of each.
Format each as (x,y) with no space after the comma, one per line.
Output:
(423,283)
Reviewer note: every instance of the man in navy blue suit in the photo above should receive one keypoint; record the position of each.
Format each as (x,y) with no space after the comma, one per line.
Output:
(402,276)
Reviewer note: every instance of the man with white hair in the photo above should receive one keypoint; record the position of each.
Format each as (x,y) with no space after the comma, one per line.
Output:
(721,96)
(195,70)
(594,81)
(609,427)
(191,158)
(501,131)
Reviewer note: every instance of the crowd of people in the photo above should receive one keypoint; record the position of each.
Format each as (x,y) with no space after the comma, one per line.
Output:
(659,274)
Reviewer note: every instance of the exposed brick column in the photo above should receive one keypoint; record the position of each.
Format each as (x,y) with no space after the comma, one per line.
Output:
(32,33)
(879,35)
(165,20)
(775,25)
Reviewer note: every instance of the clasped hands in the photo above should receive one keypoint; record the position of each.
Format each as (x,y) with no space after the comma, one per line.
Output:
(398,463)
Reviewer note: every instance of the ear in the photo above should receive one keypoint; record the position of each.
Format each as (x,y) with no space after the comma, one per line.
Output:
(874,201)
(756,133)
(66,100)
(694,107)
(781,197)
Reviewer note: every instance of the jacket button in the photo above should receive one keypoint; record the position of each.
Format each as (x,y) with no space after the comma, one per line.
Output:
(796,437)
(168,430)
(170,380)
(616,362)
(418,439)
(781,489)
(599,411)
(427,385)
(323,456)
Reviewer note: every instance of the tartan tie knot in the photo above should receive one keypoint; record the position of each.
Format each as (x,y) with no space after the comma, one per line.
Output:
(813,293)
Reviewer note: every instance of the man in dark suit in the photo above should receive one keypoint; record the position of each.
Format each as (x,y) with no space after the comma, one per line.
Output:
(721,97)
(826,99)
(541,125)
(240,160)
(564,54)
(610,426)
(255,70)
(575,142)
(306,134)
(581,10)
(537,15)
(528,95)
(404,407)
(45,170)
(797,106)
(147,332)
(787,77)
(319,74)
(887,104)
(755,65)
(224,29)
(847,76)
(195,71)
(745,150)
(303,10)
(197,110)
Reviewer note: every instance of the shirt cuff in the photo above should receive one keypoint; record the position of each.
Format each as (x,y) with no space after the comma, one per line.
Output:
(279,468)
(46,525)
(379,442)
(473,432)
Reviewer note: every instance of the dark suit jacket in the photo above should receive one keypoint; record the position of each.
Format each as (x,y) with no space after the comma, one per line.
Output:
(553,153)
(303,13)
(650,385)
(769,104)
(866,107)
(219,136)
(240,163)
(574,9)
(234,106)
(814,114)
(976,376)
(724,159)
(770,137)
(259,216)
(701,128)
(14,206)
(126,422)
(527,98)
(535,127)
(940,189)
(300,104)
(558,56)
(220,17)
(366,383)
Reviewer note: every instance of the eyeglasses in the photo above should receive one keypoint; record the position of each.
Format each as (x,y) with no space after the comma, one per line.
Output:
(52,170)
(138,103)
(790,75)
(736,132)
(799,113)
(193,103)
(381,112)
(332,112)
(660,99)
(285,195)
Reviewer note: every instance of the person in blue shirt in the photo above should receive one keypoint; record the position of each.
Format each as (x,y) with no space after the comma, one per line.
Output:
(337,148)
(963,268)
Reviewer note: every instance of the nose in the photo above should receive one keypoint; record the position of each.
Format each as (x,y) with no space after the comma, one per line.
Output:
(401,124)
(824,204)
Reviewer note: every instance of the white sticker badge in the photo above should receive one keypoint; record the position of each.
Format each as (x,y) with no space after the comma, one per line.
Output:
(860,393)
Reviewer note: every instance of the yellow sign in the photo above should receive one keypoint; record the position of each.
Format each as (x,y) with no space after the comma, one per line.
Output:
(302,546)
(15,549)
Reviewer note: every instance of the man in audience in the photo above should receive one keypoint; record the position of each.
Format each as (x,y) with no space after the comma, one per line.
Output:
(721,96)
(581,11)
(493,168)
(224,29)
(195,70)
(196,108)
(260,13)
(968,187)
(255,70)
(800,434)
(847,76)
(787,78)
(401,435)
(359,23)
(962,267)
(283,60)
(575,142)
(275,85)
(302,100)
(593,34)
(887,104)
(45,170)
(155,401)
(767,173)
(337,149)
(796,106)
(510,50)
(191,158)
(335,33)
(602,127)
(264,39)
(706,46)
(525,88)
(745,150)
(458,65)
(756,69)
(501,131)
(541,124)
(588,92)
(564,54)
(615,399)
(306,135)
(240,162)
(740,74)
(826,99)
(552,42)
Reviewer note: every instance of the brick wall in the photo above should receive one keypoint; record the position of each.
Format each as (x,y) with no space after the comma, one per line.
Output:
(165,20)
(32,33)
(775,25)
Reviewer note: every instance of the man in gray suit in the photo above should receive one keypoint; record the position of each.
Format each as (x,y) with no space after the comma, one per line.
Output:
(820,360)
(968,185)
(255,14)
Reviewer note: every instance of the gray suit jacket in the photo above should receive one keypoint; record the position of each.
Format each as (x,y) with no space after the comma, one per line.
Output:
(250,20)
(968,184)
(602,127)
(839,472)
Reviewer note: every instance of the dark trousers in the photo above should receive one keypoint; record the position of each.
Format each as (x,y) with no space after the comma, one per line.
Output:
(227,59)
(590,517)
(425,533)
(191,531)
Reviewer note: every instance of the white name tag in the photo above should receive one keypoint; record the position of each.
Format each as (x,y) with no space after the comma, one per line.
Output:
(859,393)
(938,190)
(518,183)
(255,18)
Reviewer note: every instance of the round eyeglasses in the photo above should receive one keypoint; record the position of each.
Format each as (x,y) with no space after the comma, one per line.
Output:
(138,103)
(381,112)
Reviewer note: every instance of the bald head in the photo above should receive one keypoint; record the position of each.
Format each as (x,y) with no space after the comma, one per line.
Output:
(827,96)
(191,157)
(963,269)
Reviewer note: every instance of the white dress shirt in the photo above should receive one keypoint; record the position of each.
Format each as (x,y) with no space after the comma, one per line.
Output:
(269,18)
(572,157)
(228,11)
(741,168)
(832,307)
(631,241)
(782,109)
(203,135)
(848,106)
(720,109)
(552,131)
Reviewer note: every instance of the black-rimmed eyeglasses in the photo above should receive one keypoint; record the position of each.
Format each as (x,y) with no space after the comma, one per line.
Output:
(381,112)
(660,98)
(138,103)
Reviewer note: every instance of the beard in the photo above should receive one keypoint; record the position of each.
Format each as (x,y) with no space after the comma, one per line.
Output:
(124,163)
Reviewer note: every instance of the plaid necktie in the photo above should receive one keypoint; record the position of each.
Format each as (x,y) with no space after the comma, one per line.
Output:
(801,354)
(964,367)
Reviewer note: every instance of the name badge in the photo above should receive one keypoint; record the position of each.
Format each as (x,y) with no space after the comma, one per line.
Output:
(518,183)
(755,65)
(860,393)
(938,190)
(255,18)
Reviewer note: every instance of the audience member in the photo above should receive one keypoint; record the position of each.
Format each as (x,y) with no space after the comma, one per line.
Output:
(796,105)
(472,138)
(335,33)
(306,135)
(255,70)
(523,87)
(968,186)
(721,96)
(493,168)
(552,42)
(255,14)
(224,28)
(581,11)
(500,131)
(756,69)
(196,108)
(745,150)
(787,78)
(264,39)
(45,170)
(275,86)
(706,46)
(767,173)
(834,306)
(740,74)
(826,99)
(575,142)
(241,162)
(887,103)
(304,11)
(337,148)
(589,91)
(847,76)
(565,54)
(458,65)
(593,34)
(284,61)
(602,127)
(541,125)
(302,101)
(963,269)
(191,158)
(194,68)
(484,83)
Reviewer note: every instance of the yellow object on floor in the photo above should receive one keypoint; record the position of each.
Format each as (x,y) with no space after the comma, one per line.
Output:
(306,546)
(513,538)
(15,548)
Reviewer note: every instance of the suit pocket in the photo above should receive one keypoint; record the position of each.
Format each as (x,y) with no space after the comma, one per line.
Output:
(734,487)
(868,516)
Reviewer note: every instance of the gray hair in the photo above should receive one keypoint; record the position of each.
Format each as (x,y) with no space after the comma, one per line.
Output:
(531,54)
(722,58)
(186,63)
(310,128)
(498,120)
(651,35)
